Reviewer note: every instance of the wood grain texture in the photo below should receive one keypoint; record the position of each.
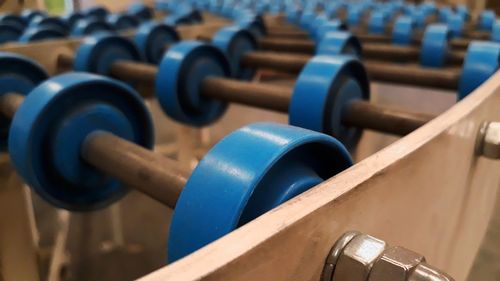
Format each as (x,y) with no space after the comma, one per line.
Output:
(428,192)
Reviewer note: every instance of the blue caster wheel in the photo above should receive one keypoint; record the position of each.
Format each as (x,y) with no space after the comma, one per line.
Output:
(249,172)
(50,23)
(14,20)
(72,18)
(54,120)
(33,34)
(21,75)
(378,22)
(179,79)
(97,12)
(330,26)
(323,88)
(434,48)
(495,33)
(151,39)
(486,20)
(456,25)
(140,11)
(402,33)
(29,15)
(339,43)
(90,26)
(97,53)
(235,42)
(9,33)
(122,21)
(481,62)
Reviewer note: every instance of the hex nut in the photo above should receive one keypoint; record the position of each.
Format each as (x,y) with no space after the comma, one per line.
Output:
(395,264)
(356,260)
(332,258)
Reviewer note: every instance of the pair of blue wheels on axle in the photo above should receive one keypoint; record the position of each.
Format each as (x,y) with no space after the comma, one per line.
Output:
(243,176)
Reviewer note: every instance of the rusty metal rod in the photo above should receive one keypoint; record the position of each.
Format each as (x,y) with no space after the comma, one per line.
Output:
(153,174)
(417,76)
(157,176)
(360,114)
(136,72)
(289,63)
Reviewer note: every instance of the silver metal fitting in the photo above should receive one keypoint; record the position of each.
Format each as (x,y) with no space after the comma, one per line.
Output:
(489,140)
(360,257)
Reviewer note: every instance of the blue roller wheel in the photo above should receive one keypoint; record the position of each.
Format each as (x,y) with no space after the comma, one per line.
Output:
(97,12)
(434,48)
(486,20)
(354,16)
(90,26)
(254,24)
(339,42)
(152,38)
(332,25)
(140,11)
(235,42)
(72,18)
(249,172)
(97,53)
(481,62)
(54,120)
(179,79)
(50,23)
(377,22)
(402,33)
(456,25)
(122,21)
(322,90)
(495,33)
(9,32)
(14,20)
(33,34)
(29,15)
(18,74)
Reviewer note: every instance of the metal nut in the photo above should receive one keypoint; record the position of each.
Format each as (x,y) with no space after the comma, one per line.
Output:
(395,264)
(425,272)
(358,257)
(332,258)
(489,141)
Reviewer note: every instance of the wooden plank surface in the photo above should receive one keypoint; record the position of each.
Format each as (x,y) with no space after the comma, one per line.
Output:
(428,192)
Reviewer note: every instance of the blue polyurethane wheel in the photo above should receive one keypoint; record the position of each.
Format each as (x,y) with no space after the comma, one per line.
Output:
(481,62)
(18,74)
(180,75)
(122,21)
(235,42)
(29,15)
(254,24)
(378,22)
(33,34)
(249,172)
(402,33)
(456,25)
(72,18)
(486,20)
(339,43)
(97,12)
(152,38)
(14,20)
(495,33)
(92,26)
(435,48)
(140,11)
(50,22)
(323,89)
(97,53)
(10,32)
(54,120)
(331,25)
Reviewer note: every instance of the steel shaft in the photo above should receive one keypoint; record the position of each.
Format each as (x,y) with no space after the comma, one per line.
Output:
(290,63)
